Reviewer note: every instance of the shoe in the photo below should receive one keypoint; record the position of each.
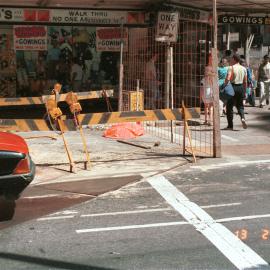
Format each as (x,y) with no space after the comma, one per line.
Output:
(207,123)
(261,106)
(228,128)
(267,102)
(244,124)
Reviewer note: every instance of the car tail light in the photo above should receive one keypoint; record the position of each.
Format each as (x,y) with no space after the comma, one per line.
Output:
(23,166)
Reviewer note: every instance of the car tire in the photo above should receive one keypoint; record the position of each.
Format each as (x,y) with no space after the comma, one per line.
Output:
(7,209)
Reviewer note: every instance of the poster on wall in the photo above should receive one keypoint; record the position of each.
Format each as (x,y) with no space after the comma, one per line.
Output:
(7,74)
(31,37)
(109,38)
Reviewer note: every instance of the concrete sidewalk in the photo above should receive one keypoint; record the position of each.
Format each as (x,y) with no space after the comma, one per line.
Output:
(112,159)
(109,158)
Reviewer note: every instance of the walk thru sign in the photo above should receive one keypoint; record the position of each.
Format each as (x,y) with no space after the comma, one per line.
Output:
(167,26)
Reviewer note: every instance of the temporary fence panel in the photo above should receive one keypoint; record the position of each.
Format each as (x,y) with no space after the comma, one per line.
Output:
(99,119)
(147,61)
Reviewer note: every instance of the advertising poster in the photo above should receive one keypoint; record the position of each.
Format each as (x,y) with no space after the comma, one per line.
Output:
(108,39)
(7,74)
(30,37)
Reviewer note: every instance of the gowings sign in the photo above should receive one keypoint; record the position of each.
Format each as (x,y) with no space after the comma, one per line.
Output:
(167,26)
(244,20)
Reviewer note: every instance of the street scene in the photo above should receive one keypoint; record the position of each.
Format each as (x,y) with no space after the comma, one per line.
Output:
(135,135)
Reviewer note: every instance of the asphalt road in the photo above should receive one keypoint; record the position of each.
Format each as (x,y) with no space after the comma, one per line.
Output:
(177,220)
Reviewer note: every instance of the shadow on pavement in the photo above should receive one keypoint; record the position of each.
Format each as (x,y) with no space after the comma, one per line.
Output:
(7,209)
(49,262)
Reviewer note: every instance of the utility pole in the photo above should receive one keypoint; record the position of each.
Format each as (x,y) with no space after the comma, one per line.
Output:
(216,116)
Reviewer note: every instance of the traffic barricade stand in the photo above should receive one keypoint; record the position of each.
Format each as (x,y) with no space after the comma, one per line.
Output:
(186,117)
(75,108)
(55,113)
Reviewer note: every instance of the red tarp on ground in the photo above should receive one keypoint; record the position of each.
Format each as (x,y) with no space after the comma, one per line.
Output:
(124,131)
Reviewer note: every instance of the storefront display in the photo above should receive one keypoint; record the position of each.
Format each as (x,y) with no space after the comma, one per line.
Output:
(42,51)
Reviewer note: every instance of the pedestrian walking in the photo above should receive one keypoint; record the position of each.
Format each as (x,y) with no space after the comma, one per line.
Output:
(250,96)
(152,82)
(264,80)
(237,75)
(206,92)
(222,75)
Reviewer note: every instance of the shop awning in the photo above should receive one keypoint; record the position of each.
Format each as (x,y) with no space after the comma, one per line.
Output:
(238,6)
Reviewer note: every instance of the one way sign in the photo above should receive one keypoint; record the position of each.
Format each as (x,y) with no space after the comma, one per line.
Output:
(167,26)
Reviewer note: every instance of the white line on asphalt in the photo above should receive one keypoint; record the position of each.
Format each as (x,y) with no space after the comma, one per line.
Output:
(154,225)
(153,210)
(54,218)
(222,220)
(229,138)
(234,163)
(70,196)
(132,227)
(41,196)
(242,256)
(128,212)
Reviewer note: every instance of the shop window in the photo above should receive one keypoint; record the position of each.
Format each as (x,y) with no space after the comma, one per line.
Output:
(69,56)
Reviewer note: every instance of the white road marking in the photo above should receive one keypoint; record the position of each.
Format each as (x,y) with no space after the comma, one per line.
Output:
(153,210)
(70,196)
(132,227)
(154,225)
(229,164)
(41,196)
(229,138)
(128,212)
(222,220)
(54,218)
(242,256)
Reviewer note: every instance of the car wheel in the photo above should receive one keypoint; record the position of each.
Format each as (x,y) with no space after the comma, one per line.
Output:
(7,209)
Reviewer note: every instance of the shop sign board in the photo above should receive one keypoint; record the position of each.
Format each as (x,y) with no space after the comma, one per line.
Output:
(88,16)
(109,39)
(234,37)
(31,37)
(72,16)
(244,20)
(167,26)
(193,14)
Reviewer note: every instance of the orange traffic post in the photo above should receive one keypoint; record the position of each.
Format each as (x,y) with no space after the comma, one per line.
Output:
(55,113)
(75,108)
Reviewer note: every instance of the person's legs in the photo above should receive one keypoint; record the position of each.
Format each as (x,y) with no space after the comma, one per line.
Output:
(262,93)
(239,104)
(221,106)
(229,112)
(206,112)
(267,89)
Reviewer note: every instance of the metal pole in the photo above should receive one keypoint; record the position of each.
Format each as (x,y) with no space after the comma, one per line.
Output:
(216,116)
(167,98)
(171,71)
(121,70)
(172,90)
(228,36)
(137,94)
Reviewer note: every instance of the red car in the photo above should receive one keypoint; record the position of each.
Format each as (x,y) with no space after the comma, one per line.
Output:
(17,170)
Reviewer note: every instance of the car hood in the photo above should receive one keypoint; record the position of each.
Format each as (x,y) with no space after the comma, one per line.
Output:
(12,142)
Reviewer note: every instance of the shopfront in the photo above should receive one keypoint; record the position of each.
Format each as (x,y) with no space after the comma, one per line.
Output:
(77,48)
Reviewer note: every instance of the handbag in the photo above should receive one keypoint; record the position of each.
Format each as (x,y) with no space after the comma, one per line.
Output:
(226,92)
